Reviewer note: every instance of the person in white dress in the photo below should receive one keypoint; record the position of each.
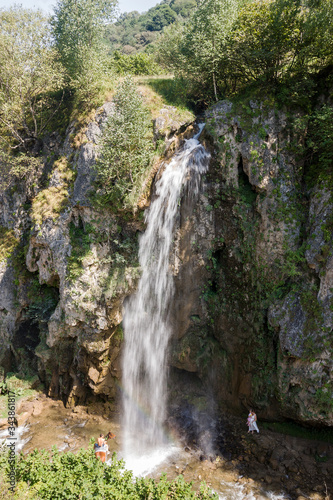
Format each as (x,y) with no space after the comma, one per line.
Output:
(252,422)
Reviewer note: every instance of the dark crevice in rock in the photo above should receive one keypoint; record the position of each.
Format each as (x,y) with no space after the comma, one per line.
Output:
(246,190)
(24,342)
(27,337)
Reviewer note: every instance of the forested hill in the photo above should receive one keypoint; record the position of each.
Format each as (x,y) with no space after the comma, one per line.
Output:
(135,32)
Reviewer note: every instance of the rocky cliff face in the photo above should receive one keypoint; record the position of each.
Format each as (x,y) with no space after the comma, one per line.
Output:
(74,267)
(256,324)
(252,264)
(67,267)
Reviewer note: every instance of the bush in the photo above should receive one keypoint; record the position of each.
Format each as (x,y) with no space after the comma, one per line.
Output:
(68,476)
(135,64)
(126,149)
(30,77)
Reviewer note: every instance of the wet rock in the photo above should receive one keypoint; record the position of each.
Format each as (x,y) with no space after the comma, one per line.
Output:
(22,418)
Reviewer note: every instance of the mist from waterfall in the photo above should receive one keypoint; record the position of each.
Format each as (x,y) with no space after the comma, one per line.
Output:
(147,327)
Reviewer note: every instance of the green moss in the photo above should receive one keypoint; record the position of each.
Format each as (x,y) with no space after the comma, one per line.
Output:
(22,385)
(51,201)
(324,397)
(81,239)
(8,243)
(121,260)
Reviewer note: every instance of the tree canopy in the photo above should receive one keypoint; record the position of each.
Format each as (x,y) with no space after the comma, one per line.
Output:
(228,44)
(78,30)
(126,147)
(135,32)
(29,77)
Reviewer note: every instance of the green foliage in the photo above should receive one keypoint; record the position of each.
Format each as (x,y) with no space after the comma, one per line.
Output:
(162,15)
(136,32)
(81,240)
(8,243)
(200,45)
(126,150)
(320,144)
(293,429)
(78,29)
(184,8)
(324,397)
(228,45)
(30,74)
(14,168)
(65,476)
(266,39)
(135,64)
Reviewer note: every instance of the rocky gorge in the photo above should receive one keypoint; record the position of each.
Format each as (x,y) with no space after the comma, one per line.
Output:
(253,271)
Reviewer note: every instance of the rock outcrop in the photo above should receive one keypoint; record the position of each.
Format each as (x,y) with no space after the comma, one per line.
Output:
(256,322)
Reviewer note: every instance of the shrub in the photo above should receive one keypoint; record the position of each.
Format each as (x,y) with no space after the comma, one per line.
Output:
(126,149)
(68,476)
(51,201)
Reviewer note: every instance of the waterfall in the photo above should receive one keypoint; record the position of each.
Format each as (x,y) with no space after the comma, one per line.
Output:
(147,327)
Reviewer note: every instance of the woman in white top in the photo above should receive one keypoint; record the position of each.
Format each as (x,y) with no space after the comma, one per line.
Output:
(252,422)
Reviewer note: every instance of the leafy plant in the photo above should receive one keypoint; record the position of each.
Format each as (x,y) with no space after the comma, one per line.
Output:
(30,74)
(78,28)
(126,149)
(66,476)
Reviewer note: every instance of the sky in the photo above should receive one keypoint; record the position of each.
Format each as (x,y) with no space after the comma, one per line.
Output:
(46,5)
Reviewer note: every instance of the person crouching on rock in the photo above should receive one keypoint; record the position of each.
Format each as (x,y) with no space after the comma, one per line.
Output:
(109,435)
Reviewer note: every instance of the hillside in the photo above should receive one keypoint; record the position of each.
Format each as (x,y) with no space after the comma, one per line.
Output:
(135,32)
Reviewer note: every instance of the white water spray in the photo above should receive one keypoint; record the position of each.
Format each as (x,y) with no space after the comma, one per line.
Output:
(146,318)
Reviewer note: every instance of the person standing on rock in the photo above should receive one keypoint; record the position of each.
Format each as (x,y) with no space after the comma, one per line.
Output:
(101,448)
(252,422)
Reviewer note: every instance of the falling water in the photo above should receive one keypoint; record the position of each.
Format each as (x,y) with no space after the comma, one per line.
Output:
(146,318)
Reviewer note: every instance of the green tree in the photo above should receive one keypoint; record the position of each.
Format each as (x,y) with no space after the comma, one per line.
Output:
(183,8)
(265,41)
(126,148)
(78,29)
(197,49)
(160,16)
(318,34)
(135,64)
(29,77)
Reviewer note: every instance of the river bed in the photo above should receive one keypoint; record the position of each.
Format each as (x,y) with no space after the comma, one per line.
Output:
(44,423)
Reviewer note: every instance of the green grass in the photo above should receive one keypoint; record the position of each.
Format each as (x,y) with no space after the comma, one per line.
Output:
(22,386)
(293,429)
(159,92)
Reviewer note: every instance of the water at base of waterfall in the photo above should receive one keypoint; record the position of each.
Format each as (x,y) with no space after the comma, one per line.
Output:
(174,460)
(20,437)
(146,322)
